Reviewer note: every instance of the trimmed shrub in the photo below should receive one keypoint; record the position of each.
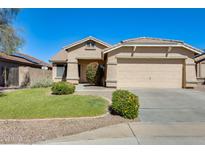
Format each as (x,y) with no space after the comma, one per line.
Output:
(62,88)
(42,83)
(91,72)
(125,104)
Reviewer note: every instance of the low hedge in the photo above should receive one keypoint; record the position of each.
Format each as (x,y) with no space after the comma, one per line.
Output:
(62,88)
(125,104)
(42,83)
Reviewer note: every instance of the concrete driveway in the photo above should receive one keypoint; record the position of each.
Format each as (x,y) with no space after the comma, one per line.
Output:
(164,105)
(171,105)
(167,116)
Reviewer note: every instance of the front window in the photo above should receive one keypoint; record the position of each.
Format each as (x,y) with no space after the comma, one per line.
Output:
(60,71)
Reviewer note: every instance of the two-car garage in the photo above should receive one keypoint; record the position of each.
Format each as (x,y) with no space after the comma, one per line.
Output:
(151,63)
(152,73)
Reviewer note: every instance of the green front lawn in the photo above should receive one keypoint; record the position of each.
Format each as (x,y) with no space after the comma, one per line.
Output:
(39,103)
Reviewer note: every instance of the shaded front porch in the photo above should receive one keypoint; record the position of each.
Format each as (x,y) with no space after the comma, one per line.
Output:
(82,67)
(75,71)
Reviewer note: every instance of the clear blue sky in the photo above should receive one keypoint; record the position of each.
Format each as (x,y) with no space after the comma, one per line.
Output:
(47,30)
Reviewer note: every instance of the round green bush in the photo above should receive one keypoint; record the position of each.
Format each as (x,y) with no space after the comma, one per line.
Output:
(91,72)
(62,88)
(125,104)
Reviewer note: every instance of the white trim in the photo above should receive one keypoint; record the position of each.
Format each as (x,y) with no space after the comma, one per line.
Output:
(192,49)
(154,45)
(169,49)
(113,49)
(134,49)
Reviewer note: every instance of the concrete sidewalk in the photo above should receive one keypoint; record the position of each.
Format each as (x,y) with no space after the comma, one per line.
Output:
(139,133)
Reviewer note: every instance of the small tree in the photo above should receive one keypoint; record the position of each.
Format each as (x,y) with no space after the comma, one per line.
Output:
(9,40)
(95,73)
(91,72)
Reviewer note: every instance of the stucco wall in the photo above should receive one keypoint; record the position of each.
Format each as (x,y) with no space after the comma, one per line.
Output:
(82,52)
(201,69)
(150,52)
(34,74)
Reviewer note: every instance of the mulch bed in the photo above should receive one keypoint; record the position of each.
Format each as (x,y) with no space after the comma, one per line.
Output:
(31,131)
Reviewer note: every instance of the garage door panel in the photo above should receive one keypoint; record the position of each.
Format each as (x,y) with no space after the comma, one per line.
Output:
(149,73)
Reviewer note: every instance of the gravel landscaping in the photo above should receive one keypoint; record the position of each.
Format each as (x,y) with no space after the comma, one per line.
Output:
(32,131)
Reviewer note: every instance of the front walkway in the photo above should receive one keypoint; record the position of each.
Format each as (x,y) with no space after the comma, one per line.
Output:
(86,89)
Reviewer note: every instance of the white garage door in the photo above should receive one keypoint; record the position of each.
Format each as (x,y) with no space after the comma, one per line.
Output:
(158,73)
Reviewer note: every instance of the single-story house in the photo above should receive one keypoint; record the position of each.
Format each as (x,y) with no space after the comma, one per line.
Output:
(18,67)
(138,62)
(200,67)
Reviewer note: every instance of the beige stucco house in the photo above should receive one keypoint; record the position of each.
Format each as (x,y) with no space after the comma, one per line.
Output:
(139,62)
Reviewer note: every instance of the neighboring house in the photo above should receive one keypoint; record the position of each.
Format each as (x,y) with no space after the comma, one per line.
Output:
(19,68)
(139,62)
(200,67)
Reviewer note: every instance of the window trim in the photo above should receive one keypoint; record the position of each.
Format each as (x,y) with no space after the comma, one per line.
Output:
(62,66)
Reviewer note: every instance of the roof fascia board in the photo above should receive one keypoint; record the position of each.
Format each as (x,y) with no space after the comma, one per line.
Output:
(200,58)
(150,57)
(154,45)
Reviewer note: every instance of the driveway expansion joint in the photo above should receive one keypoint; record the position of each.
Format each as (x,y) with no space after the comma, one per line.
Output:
(133,133)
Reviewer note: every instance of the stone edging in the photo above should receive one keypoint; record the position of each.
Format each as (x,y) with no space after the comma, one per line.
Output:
(73,118)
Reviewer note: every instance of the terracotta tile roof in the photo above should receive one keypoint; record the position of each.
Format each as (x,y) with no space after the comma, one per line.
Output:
(150,40)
